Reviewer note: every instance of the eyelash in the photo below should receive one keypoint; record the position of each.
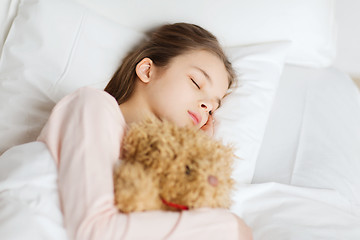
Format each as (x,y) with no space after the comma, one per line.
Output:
(197,85)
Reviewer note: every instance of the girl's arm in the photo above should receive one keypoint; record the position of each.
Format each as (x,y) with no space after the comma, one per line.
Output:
(84,134)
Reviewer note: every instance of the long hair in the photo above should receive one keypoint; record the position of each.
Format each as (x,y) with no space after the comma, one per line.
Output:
(165,43)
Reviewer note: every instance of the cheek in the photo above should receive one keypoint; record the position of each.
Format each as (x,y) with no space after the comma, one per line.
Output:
(173,98)
(180,94)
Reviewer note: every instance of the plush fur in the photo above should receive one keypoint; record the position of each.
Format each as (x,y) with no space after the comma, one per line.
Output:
(176,164)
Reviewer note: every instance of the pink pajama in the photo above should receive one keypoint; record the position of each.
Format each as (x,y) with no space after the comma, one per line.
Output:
(84,134)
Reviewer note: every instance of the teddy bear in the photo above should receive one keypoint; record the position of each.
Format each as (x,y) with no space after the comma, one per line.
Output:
(167,167)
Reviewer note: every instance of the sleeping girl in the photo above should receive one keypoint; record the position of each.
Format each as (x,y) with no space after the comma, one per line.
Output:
(179,74)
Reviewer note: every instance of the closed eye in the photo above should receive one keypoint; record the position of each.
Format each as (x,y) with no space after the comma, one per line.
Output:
(197,85)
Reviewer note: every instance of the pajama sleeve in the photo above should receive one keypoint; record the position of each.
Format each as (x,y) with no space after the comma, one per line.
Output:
(84,134)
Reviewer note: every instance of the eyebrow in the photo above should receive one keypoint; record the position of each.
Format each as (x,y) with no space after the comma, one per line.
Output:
(205,73)
(210,80)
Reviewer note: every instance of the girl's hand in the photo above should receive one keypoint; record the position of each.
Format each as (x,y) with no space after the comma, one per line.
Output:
(208,127)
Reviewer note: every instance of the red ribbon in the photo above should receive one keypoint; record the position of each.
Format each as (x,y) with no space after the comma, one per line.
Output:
(174,205)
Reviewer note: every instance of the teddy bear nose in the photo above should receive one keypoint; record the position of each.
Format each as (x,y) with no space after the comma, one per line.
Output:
(213,180)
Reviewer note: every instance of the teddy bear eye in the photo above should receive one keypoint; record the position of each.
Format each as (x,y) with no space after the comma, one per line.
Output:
(187,171)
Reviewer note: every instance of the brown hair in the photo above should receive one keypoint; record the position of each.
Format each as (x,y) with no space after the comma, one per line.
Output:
(165,43)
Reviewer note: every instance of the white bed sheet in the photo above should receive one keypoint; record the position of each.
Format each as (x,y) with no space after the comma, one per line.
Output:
(285,212)
(313,133)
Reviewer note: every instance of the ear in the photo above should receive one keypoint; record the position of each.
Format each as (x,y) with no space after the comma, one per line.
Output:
(144,69)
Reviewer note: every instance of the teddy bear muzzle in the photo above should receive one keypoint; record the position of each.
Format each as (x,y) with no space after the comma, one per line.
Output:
(213,181)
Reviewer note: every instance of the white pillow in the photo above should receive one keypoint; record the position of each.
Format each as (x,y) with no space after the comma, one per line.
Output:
(57,46)
(53,48)
(310,25)
(243,117)
(8,10)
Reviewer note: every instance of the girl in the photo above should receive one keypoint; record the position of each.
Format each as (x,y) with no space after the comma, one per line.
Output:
(179,74)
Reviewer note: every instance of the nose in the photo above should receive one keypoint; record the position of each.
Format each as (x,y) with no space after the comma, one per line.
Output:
(206,106)
(213,181)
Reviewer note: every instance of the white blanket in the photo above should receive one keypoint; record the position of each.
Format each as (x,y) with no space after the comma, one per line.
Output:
(29,202)
(30,209)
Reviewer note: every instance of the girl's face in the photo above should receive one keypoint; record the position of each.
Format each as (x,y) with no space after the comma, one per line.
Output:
(189,89)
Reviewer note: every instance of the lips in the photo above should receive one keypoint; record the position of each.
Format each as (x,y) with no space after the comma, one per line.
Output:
(195,117)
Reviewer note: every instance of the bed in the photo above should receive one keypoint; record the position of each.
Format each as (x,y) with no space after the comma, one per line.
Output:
(294,119)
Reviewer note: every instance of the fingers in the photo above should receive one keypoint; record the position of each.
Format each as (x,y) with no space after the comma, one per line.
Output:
(208,127)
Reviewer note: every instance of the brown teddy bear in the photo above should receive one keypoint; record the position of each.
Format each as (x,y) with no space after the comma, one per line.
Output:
(172,168)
